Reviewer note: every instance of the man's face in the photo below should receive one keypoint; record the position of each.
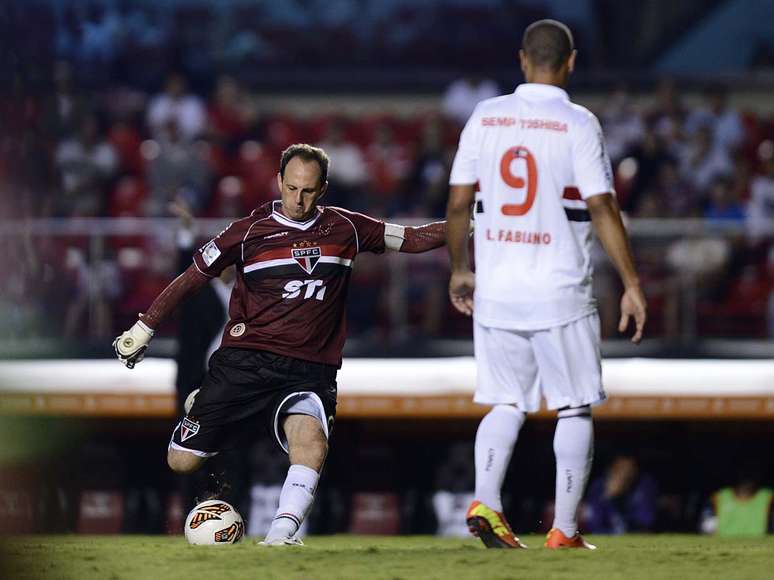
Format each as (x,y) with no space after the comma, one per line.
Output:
(300,188)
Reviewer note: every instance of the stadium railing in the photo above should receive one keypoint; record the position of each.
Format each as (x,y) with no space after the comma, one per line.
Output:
(703,279)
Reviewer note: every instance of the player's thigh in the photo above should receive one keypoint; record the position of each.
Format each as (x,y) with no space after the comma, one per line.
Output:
(506,368)
(569,363)
(223,408)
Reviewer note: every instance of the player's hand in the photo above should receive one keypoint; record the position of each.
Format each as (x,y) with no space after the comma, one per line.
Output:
(461,287)
(633,305)
(130,346)
(180,209)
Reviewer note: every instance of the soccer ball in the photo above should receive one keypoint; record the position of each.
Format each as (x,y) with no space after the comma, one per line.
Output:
(214,522)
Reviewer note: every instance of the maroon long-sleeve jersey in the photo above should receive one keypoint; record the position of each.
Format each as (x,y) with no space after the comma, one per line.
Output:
(290,293)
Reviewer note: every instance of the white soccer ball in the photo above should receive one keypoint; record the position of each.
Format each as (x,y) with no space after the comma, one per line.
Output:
(214,522)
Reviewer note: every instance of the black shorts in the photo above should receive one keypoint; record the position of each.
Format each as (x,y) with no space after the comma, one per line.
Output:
(243,394)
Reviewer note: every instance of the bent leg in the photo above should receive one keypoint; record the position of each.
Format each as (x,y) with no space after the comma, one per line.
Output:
(307,442)
(184,462)
(307,447)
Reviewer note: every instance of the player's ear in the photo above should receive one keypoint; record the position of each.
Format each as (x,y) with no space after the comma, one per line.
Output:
(323,189)
(571,61)
(279,181)
(523,61)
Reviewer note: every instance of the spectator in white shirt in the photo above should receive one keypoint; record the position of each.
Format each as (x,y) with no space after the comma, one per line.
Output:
(348,171)
(176,104)
(176,169)
(86,164)
(760,209)
(464,94)
(702,161)
(724,122)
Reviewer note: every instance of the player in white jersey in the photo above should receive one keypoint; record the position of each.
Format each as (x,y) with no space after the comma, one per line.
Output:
(544,179)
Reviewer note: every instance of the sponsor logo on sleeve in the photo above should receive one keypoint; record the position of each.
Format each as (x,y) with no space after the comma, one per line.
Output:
(278,235)
(210,253)
(188,429)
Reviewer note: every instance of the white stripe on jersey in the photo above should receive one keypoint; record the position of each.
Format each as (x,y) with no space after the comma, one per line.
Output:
(291,261)
(336,260)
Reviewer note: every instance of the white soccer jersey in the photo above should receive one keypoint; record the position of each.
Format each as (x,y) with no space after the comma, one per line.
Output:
(536,157)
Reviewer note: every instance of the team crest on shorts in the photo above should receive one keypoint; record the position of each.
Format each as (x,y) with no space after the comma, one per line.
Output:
(188,429)
(237,330)
(306,257)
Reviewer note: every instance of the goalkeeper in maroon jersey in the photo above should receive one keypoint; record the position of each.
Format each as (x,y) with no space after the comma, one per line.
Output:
(275,371)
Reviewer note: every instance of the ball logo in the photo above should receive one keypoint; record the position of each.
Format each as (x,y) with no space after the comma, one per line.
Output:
(201,517)
(207,513)
(231,534)
(237,330)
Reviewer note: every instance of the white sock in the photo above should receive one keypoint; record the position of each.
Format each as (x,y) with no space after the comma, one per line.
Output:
(495,438)
(296,500)
(574,450)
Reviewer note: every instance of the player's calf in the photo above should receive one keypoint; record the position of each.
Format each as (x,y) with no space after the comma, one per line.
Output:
(307,442)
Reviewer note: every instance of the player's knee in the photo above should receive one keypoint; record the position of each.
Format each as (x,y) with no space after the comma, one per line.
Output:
(182,462)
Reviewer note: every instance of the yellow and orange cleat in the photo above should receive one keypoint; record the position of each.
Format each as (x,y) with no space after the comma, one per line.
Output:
(556,540)
(491,527)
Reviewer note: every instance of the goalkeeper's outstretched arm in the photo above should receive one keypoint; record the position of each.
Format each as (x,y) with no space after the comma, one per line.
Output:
(416,239)
(130,346)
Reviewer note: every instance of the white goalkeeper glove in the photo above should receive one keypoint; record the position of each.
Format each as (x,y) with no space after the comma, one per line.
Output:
(130,346)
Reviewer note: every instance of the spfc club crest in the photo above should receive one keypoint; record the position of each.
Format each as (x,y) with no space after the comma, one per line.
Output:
(307,258)
(188,429)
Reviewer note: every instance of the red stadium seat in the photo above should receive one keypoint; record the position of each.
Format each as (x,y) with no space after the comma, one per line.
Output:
(127,141)
(18,499)
(175,515)
(282,130)
(375,513)
(257,167)
(127,199)
(100,512)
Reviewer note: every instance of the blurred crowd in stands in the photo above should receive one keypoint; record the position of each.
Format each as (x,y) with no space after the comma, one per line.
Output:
(120,152)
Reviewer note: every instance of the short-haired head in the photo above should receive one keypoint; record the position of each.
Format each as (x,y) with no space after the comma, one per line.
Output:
(548,44)
(302,180)
(306,153)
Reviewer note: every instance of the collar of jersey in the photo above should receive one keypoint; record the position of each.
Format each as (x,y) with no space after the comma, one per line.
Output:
(286,221)
(540,91)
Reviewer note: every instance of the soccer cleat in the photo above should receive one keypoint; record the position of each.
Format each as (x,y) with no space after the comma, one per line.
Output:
(556,540)
(292,541)
(491,527)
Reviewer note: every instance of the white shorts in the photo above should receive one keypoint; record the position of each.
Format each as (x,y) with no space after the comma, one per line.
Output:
(560,364)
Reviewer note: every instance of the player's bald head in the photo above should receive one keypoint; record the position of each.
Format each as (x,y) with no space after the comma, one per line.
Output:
(547,44)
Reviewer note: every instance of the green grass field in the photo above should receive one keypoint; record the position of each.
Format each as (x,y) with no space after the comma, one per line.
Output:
(389,558)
